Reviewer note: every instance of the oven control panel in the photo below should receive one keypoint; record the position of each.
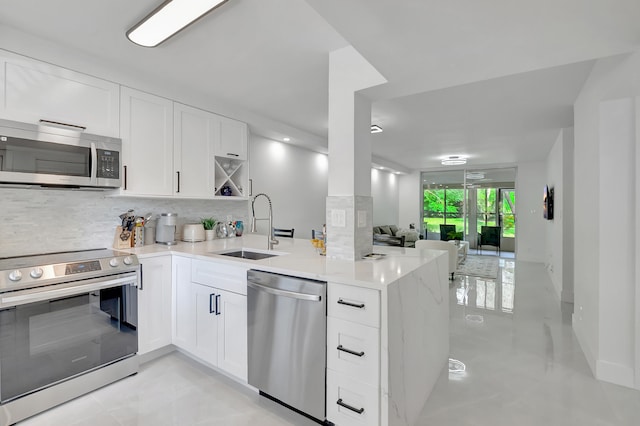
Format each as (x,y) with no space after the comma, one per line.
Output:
(24,275)
(80,267)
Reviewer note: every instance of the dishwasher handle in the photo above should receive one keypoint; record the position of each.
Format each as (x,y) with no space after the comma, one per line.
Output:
(285,293)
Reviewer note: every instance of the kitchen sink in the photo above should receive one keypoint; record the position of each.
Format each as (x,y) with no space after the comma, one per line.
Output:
(247,254)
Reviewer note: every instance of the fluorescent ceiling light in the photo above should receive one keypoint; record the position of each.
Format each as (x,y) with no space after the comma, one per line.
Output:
(376,129)
(286,139)
(168,19)
(453,160)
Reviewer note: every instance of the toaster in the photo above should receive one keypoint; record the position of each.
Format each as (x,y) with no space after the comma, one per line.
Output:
(192,232)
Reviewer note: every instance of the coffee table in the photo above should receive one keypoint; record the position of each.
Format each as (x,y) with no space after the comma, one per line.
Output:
(463,249)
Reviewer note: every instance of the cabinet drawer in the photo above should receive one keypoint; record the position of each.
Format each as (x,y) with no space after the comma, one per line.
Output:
(353,349)
(226,277)
(357,304)
(350,402)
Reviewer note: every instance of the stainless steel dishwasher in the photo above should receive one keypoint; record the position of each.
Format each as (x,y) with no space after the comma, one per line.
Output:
(287,330)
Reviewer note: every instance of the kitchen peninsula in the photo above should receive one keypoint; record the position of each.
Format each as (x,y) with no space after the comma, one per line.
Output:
(404,327)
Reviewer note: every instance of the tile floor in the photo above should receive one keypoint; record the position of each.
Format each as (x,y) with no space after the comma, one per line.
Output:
(524,367)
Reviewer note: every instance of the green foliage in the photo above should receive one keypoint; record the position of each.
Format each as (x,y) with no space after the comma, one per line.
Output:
(455,235)
(208,223)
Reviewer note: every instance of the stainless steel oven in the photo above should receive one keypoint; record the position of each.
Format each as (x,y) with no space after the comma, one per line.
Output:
(68,324)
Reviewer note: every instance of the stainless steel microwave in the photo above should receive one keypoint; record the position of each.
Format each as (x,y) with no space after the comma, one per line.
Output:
(55,156)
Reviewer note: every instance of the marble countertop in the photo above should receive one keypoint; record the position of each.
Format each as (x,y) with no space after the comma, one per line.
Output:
(298,257)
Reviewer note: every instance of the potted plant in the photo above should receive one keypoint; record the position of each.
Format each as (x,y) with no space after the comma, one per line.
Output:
(209,225)
(455,236)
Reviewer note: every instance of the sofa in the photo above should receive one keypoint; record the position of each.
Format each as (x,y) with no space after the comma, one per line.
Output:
(391,235)
(452,249)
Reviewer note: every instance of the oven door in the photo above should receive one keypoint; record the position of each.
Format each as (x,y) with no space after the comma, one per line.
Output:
(47,336)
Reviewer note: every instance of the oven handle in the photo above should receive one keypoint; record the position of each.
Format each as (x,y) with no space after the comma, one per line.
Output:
(39,295)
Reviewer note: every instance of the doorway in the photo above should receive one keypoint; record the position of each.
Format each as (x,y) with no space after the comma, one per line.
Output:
(469,200)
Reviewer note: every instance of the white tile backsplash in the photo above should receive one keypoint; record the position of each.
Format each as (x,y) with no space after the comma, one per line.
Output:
(46,220)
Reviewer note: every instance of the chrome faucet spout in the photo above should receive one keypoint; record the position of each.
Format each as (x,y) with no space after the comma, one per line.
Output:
(271,239)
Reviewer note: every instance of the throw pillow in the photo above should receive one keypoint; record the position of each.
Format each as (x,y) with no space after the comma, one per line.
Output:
(385,229)
(376,230)
(394,229)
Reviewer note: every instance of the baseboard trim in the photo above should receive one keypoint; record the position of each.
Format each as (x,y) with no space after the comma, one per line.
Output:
(615,373)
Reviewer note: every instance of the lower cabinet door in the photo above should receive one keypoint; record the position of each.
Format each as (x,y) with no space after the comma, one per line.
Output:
(232,333)
(154,304)
(206,344)
(350,402)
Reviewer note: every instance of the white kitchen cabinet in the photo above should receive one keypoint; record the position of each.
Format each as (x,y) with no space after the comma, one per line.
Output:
(32,91)
(232,142)
(183,333)
(232,333)
(196,133)
(206,323)
(210,313)
(147,143)
(353,355)
(154,304)
(231,165)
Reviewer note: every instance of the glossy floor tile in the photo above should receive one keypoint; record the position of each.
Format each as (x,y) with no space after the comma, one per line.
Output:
(524,365)
(172,390)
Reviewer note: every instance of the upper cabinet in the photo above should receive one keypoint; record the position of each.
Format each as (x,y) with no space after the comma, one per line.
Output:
(34,91)
(196,133)
(233,139)
(147,144)
(168,149)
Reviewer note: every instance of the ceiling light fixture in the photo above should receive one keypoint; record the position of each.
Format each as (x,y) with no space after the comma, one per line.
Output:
(453,160)
(475,175)
(286,139)
(376,129)
(168,19)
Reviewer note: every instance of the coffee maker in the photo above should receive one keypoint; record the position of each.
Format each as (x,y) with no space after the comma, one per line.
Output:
(166,228)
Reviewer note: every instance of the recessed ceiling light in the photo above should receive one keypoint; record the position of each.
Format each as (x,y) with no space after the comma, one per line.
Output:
(475,175)
(376,129)
(453,160)
(168,19)
(286,139)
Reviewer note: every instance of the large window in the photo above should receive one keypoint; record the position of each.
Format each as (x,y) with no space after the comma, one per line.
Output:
(489,200)
(443,206)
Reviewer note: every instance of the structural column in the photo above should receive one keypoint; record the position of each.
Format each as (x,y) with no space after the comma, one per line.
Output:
(349,203)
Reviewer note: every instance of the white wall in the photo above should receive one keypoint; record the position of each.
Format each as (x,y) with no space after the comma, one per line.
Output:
(530,225)
(606,293)
(296,181)
(559,231)
(384,190)
(411,198)
(47,220)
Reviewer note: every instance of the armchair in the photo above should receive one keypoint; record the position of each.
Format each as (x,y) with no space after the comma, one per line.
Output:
(444,231)
(490,236)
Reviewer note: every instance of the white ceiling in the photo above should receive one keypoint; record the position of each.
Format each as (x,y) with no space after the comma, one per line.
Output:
(493,79)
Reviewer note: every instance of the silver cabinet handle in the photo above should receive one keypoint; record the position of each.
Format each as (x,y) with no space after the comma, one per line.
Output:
(354,305)
(291,294)
(349,351)
(125,177)
(349,407)
(178,181)
(232,154)
(218,304)
(59,123)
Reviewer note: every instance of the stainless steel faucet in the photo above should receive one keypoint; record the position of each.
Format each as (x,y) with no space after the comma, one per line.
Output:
(271,239)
